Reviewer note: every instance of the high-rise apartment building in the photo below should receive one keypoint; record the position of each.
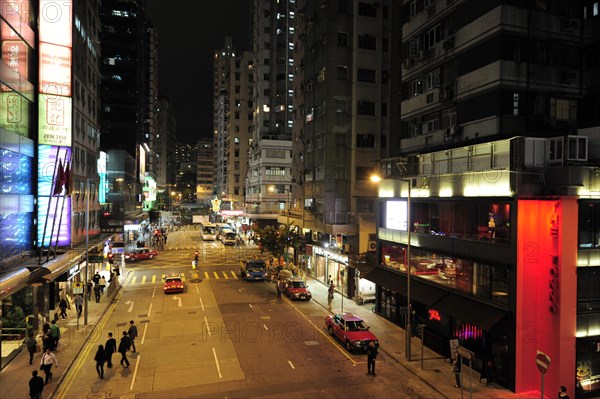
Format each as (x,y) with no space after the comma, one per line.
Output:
(341,129)
(166,136)
(492,204)
(233,88)
(205,171)
(268,183)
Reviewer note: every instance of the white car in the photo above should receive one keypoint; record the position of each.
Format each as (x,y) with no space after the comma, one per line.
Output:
(228,237)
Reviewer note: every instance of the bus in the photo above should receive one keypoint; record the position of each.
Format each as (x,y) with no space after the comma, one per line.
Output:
(208,231)
(221,227)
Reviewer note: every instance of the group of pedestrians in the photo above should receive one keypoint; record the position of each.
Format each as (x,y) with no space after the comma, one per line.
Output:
(104,352)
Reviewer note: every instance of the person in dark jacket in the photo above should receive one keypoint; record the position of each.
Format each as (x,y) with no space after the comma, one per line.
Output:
(63,305)
(371,357)
(31,346)
(110,347)
(123,348)
(36,385)
(456,368)
(100,359)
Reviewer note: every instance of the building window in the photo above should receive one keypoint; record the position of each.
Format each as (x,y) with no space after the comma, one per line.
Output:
(365,108)
(367,42)
(366,75)
(367,10)
(448,118)
(272,153)
(365,140)
(342,39)
(589,225)
(342,72)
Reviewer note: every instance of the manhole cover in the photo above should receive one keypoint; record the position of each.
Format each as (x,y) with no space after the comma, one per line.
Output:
(311,343)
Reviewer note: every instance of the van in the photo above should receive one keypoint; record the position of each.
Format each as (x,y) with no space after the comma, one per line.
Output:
(228,237)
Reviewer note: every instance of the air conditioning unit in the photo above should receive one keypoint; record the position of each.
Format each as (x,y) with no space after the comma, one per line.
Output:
(372,246)
(448,43)
(569,25)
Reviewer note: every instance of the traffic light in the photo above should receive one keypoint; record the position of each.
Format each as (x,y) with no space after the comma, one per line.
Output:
(111,258)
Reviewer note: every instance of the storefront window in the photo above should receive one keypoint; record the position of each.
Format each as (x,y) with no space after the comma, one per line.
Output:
(16,316)
(485,281)
(488,221)
(589,225)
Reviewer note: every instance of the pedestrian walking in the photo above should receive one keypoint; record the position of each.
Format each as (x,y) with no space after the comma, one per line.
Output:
(330,296)
(278,288)
(55,330)
(96,278)
(132,333)
(36,385)
(45,328)
(79,304)
(110,347)
(89,287)
(100,359)
(97,293)
(562,394)
(63,305)
(102,284)
(371,357)
(46,363)
(47,341)
(456,366)
(31,346)
(124,345)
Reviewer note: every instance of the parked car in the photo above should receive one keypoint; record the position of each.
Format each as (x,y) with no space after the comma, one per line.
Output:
(141,253)
(351,330)
(296,288)
(173,283)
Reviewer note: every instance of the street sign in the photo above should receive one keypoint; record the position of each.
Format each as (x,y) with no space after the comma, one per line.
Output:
(95,258)
(453,348)
(78,288)
(542,362)
(464,352)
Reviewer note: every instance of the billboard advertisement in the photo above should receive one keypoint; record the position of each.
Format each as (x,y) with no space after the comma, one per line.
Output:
(55,120)
(396,215)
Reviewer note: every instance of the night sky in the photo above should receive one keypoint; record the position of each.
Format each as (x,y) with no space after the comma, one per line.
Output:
(189,31)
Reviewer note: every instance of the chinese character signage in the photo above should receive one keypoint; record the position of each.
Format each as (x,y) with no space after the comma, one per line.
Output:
(55,120)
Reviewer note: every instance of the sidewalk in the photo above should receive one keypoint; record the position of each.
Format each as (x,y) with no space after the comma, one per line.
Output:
(14,378)
(436,371)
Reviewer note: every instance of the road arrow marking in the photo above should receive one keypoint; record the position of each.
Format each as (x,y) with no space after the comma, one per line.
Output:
(176,298)
(130,303)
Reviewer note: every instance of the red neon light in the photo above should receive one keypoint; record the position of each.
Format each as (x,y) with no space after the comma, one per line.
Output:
(434,315)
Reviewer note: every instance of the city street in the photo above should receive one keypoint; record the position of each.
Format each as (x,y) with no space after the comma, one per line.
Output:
(224,337)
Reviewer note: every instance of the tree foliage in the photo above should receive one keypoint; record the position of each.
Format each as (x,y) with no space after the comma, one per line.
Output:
(277,239)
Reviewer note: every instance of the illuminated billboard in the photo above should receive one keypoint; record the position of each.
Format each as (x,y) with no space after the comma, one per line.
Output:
(55,69)
(55,120)
(56,22)
(103,185)
(14,113)
(396,215)
(54,212)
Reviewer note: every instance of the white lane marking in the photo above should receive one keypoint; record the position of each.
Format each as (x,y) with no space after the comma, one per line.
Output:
(149,309)
(153,292)
(137,364)
(250,305)
(145,329)
(265,326)
(206,323)
(291,365)
(197,289)
(217,362)
(201,304)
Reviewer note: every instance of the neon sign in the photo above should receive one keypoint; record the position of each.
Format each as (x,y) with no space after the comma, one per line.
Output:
(434,315)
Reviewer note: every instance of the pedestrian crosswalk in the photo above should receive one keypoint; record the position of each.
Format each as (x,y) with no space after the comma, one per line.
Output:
(153,279)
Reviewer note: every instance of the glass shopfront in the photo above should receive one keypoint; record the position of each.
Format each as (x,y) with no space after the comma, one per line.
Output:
(483,220)
(485,281)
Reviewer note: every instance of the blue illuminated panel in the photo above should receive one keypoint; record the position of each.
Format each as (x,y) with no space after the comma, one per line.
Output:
(16,173)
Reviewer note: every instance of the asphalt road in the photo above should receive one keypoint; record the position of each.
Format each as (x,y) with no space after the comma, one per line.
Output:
(224,337)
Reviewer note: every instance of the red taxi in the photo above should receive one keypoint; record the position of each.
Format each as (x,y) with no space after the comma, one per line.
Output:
(140,253)
(351,330)
(173,283)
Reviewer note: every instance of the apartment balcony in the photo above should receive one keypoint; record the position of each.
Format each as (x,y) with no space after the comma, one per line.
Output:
(422,103)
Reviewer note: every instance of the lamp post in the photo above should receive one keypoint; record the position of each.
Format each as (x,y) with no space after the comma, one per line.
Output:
(408,330)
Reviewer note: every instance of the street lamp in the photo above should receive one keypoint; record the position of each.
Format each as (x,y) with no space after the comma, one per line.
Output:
(408,330)
(173,193)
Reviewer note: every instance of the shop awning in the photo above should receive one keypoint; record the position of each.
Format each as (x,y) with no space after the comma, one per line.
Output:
(470,310)
(427,294)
